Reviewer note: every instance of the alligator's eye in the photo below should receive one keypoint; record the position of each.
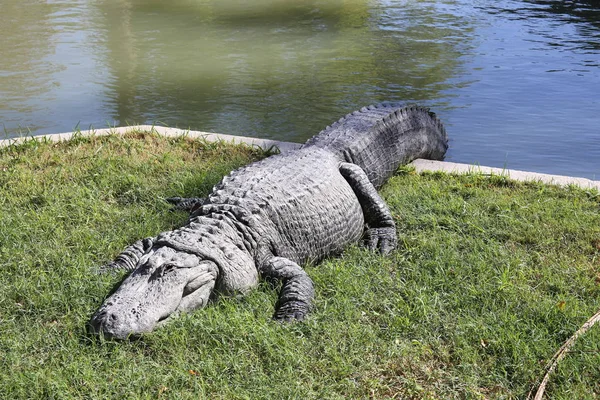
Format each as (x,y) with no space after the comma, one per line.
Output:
(169,266)
(162,271)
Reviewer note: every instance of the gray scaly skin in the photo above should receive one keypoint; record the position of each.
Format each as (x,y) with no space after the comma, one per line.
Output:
(267,219)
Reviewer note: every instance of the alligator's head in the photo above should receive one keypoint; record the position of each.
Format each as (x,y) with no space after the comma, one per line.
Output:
(165,282)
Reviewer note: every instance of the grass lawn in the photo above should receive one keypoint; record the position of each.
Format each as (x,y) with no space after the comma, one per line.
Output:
(489,279)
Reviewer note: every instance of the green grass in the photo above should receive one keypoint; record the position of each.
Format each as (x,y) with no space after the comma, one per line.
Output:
(489,279)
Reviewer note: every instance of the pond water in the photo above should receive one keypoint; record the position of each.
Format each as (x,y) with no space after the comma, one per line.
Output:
(516,82)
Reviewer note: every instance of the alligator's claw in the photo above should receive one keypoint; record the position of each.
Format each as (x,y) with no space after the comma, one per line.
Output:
(382,239)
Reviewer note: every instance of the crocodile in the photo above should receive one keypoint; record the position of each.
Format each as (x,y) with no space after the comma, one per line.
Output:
(267,219)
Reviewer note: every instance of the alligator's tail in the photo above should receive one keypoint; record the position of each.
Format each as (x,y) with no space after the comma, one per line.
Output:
(381,138)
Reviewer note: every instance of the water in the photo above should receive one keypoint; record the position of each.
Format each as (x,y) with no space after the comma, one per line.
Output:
(516,82)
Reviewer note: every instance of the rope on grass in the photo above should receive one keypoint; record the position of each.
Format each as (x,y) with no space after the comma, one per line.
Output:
(561,353)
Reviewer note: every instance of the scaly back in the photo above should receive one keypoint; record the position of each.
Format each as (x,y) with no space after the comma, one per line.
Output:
(381,138)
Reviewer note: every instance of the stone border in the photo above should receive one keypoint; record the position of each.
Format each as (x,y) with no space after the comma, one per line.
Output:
(161,130)
(523,176)
(420,165)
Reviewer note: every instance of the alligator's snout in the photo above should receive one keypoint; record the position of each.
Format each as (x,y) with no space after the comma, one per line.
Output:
(103,322)
(166,281)
(114,325)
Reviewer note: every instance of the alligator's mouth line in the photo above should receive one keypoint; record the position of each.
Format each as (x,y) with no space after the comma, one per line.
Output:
(163,320)
(168,317)
(193,287)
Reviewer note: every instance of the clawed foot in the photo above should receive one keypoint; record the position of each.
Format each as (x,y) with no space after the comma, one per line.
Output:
(297,290)
(382,239)
(292,311)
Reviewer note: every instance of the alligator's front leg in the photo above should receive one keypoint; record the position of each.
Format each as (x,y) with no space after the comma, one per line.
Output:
(381,231)
(129,257)
(297,291)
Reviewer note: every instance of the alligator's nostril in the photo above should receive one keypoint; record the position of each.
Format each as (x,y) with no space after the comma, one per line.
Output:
(113,317)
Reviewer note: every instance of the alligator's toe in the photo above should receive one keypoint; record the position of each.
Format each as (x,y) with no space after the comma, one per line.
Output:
(291,312)
(382,239)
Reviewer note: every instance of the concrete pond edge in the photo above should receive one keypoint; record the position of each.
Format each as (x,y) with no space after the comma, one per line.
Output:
(420,165)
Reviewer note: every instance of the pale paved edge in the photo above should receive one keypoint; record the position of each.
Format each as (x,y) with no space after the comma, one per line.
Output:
(523,176)
(420,165)
(171,132)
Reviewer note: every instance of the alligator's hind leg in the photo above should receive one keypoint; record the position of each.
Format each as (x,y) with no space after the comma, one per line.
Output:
(130,256)
(297,291)
(188,204)
(381,230)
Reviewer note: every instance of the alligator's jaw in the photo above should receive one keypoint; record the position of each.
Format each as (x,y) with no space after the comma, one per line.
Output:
(164,283)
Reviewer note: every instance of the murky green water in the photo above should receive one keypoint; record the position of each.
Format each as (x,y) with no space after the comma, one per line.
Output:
(516,82)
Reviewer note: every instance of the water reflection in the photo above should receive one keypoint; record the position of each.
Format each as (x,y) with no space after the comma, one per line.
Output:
(26,39)
(583,16)
(118,41)
(534,101)
(572,25)
(515,81)
(271,68)
(49,76)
